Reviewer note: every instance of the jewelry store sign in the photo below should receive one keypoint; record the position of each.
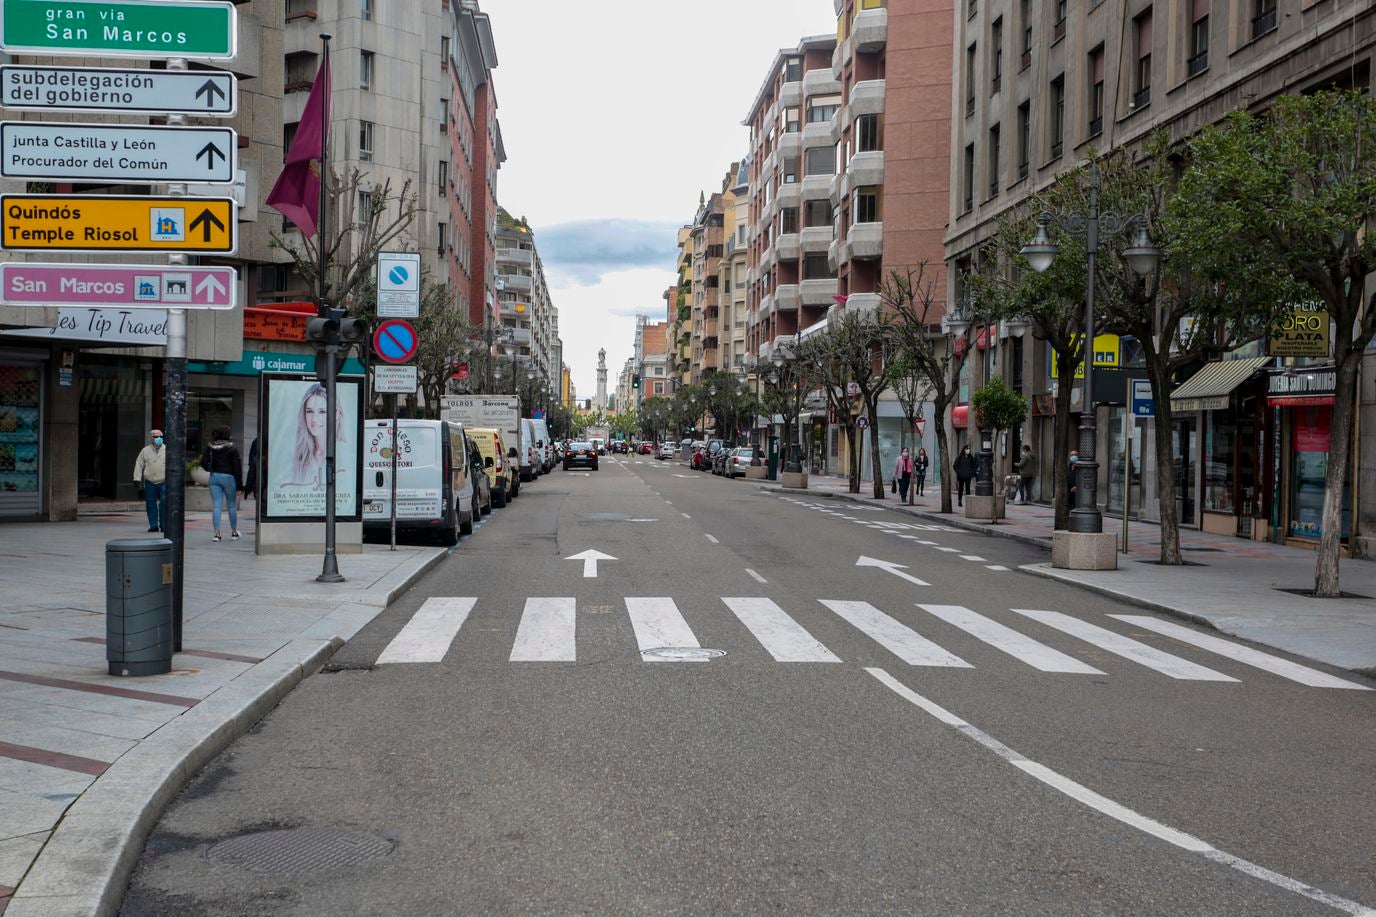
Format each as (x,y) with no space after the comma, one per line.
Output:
(1302,333)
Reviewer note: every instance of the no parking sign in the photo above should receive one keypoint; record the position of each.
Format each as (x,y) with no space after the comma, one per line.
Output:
(398,285)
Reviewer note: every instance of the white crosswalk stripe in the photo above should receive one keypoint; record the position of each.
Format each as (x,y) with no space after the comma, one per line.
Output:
(1128,648)
(781,636)
(1019,646)
(658,623)
(899,639)
(429,633)
(547,632)
(1243,654)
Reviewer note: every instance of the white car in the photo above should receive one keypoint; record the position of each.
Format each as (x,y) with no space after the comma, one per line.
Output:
(667,451)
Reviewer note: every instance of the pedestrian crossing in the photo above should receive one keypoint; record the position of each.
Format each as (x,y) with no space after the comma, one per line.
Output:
(547,631)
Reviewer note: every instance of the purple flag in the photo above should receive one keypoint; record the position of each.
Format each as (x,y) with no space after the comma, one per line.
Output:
(297,193)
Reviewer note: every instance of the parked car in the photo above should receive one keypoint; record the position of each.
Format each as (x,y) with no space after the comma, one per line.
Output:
(719,460)
(530,468)
(647,449)
(582,455)
(544,443)
(667,451)
(482,486)
(497,464)
(434,486)
(738,460)
(714,446)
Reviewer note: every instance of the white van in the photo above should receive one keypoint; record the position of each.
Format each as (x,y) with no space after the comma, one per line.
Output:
(434,488)
(531,466)
(543,444)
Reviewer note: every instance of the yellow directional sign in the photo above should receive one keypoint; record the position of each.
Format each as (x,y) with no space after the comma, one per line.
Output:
(49,222)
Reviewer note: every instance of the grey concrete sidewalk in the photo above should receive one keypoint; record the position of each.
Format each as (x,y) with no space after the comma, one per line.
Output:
(1253,590)
(88,761)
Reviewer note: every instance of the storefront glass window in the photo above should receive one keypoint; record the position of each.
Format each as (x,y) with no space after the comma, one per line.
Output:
(1220,453)
(1310,437)
(1117,481)
(19,440)
(113,426)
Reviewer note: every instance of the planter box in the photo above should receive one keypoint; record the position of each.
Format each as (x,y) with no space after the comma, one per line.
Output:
(1084,550)
(794,480)
(756,472)
(987,508)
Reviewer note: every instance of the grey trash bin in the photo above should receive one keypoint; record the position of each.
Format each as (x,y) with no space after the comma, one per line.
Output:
(138,606)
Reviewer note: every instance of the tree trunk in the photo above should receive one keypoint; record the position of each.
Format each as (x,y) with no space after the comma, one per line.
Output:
(1061,435)
(876,462)
(1326,582)
(853,465)
(943,450)
(1165,465)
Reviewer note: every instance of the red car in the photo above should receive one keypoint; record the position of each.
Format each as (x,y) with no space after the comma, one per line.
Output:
(647,449)
(700,458)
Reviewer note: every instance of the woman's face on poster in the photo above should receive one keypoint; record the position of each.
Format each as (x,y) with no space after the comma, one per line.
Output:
(315,416)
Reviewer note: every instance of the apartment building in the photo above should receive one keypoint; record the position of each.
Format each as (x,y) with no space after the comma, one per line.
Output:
(708,236)
(734,267)
(654,360)
(83,394)
(1040,85)
(680,311)
(524,307)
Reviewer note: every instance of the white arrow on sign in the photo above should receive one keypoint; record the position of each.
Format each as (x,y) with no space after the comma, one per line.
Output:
(590,559)
(210,283)
(895,569)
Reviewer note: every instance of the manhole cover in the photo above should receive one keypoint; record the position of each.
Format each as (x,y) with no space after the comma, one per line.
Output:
(682,652)
(298,850)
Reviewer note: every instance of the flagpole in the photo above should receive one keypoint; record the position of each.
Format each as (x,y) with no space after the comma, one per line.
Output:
(330,571)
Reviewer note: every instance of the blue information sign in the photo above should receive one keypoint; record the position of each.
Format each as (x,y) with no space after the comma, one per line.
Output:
(1143,404)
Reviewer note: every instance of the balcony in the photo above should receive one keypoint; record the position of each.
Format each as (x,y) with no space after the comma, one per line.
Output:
(520,336)
(1197,64)
(521,256)
(871,30)
(817,134)
(837,191)
(866,98)
(786,246)
(865,242)
(820,83)
(1264,23)
(790,145)
(786,297)
(863,303)
(864,169)
(834,254)
(817,187)
(790,196)
(841,56)
(515,282)
(766,307)
(819,292)
(791,95)
(816,239)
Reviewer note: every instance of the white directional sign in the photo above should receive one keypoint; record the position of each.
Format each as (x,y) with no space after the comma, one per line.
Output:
(398,284)
(395,380)
(126,154)
(124,90)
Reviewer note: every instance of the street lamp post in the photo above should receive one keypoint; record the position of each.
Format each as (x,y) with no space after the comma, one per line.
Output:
(1142,256)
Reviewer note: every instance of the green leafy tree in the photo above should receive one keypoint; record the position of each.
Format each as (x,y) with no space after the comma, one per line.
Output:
(1296,188)
(998,408)
(851,352)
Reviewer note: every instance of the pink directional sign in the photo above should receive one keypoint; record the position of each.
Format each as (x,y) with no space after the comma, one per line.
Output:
(137,286)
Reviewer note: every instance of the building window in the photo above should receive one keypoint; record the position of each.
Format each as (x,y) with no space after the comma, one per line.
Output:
(970,80)
(817,213)
(1057,115)
(365,208)
(994,154)
(1058,30)
(1024,137)
(793,69)
(1199,39)
(1265,19)
(971,8)
(1026,60)
(867,138)
(1141,73)
(444,52)
(365,141)
(865,205)
(790,171)
(996,56)
(365,70)
(967,181)
(822,109)
(443,236)
(815,267)
(788,219)
(444,115)
(367,9)
(821,161)
(1096,91)
(443,175)
(792,116)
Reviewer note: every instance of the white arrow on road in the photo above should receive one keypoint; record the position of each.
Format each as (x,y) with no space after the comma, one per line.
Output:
(683,475)
(590,559)
(210,283)
(895,569)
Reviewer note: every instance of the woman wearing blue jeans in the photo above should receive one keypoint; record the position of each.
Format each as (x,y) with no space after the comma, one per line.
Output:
(221,459)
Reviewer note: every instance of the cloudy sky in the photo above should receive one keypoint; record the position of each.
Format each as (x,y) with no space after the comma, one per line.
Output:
(615,116)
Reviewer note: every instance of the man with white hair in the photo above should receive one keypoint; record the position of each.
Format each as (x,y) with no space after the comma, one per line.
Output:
(150,473)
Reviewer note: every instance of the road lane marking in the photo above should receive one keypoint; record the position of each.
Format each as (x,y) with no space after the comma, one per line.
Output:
(756,576)
(1021,647)
(429,633)
(658,623)
(1245,655)
(997,567)
(784,638)
(685,516)
(1118,812)
(899,639)
(974,557)
(713,540)
(547,632)
(948,550)
(930,544)
(1132,650)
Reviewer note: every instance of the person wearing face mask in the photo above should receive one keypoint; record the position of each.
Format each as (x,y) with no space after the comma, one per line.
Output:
(1070,475)
(150,473)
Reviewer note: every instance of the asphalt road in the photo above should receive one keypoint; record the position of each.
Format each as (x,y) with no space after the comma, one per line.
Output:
(867,744)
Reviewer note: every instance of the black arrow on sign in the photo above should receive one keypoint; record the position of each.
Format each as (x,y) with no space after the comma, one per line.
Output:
(210,151)
(205,221)
(210,89)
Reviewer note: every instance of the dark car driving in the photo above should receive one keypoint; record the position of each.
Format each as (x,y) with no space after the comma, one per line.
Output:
(581,455)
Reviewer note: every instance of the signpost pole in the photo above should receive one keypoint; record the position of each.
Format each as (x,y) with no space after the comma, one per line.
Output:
(1127,474)
(175,386)
(394,471)
(330,570)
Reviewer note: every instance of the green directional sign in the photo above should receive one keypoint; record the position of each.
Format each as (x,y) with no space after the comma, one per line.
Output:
(120,28)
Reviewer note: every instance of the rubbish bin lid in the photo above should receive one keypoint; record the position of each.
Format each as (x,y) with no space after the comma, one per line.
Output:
(137,545)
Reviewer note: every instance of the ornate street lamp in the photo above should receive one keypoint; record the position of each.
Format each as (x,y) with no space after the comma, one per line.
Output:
(1142,257)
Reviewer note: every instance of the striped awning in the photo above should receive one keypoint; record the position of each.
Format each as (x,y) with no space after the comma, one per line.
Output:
(1212,387)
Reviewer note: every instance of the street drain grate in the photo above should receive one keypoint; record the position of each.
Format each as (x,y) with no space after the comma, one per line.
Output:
(301,850)
(681,653)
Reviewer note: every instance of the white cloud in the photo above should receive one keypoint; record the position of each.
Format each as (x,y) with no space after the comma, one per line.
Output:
(592,317)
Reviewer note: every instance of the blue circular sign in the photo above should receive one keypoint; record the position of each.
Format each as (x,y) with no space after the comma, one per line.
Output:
(398,275)
(395,341)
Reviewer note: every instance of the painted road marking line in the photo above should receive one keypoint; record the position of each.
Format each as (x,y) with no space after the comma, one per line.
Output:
(1021,647)
(1245,655)
(1121,813)
(658,623)
(1132,650)
(997,567)
(948,550)
(974,557)
(930,544)
(430,632)
(756,577)
(713,539)
(899,639)
(784,638)
(547,632)
(685,516)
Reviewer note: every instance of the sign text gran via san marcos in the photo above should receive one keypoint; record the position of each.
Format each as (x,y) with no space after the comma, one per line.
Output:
(120,28)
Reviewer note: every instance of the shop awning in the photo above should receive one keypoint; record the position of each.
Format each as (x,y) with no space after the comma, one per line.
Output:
(1211,388)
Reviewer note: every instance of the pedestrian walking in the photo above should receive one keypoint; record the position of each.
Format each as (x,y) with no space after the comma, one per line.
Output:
(920,465)
(221,459)
(150,473)
(964,467)
(1027,473)
(903,474)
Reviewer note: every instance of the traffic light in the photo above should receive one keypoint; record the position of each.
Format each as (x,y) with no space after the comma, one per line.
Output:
(635,381)
(334,335)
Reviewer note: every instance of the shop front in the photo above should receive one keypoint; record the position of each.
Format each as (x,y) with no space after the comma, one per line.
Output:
(1301,402)
(21,426)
